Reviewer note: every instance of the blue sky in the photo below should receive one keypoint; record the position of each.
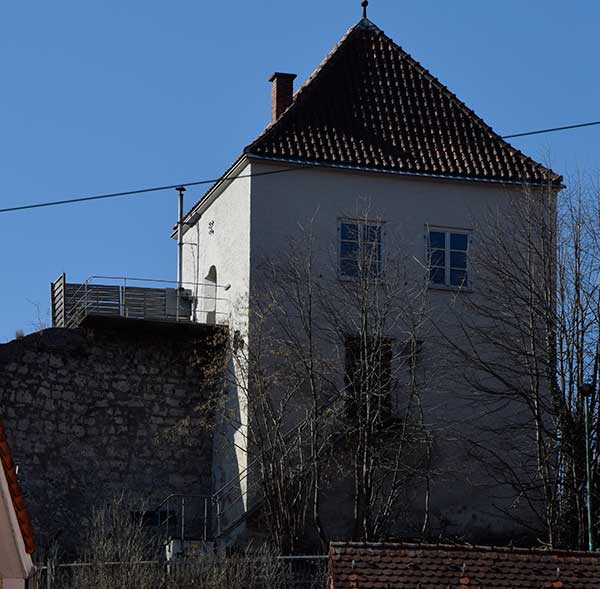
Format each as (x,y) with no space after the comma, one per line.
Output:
(102,96)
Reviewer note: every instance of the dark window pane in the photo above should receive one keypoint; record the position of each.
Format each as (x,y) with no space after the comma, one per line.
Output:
(349,267)
(372,233)
(372,251)
(349,231)
(437,240)
(458,278)
(368,373)
(349,249)
(437,276)
(438,258)
(458,260)
(459,241)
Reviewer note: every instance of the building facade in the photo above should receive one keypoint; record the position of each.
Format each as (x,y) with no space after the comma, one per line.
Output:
(372,152)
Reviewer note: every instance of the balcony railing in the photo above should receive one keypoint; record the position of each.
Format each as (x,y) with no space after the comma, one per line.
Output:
(137,298)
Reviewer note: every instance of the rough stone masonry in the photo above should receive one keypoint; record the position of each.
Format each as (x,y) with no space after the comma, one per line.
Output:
(115,407)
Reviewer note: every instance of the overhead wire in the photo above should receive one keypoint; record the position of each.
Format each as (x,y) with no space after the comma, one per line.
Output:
(223,178)
(137,192)
(552,130)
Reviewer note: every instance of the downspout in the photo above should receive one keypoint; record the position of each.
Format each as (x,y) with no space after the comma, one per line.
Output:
(180,190)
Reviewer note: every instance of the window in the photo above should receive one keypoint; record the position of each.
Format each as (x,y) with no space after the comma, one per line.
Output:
(448,257)
(360,249)
(368,374)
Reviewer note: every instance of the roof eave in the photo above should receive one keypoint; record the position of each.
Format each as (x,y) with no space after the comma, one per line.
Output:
(211,194)
(556,185)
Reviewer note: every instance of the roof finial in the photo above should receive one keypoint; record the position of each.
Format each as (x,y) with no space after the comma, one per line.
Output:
(364,5)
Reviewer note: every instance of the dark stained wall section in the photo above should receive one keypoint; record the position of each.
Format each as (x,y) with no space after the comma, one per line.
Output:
(112,408)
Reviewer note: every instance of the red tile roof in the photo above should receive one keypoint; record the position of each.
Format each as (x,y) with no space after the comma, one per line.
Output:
(371,105)
(425,566)
(16,493)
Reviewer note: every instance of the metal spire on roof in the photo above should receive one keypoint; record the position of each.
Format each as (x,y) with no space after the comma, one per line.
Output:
(364,5)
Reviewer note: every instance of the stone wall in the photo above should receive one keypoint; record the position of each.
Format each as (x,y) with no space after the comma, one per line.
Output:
(114,407)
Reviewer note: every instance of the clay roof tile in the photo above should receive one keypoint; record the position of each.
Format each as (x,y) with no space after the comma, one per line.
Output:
(427,566)
(16,493)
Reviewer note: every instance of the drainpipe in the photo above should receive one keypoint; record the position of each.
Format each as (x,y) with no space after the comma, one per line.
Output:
(180,190)
(586,392)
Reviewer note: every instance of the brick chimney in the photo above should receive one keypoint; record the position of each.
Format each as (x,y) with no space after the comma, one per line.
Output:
(282,92)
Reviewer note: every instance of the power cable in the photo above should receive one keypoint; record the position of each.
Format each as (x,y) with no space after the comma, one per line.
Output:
(139,191)
(554,129)
(222,178)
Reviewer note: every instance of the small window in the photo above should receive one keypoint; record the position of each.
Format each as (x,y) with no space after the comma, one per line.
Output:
(360,249)
(368,372)
(447,254)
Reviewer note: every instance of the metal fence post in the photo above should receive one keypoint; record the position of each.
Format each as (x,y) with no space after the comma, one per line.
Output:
(205,533)
(182,521)
(218,502)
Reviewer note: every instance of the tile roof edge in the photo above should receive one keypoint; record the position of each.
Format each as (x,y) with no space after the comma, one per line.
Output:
(313,164)
(247,151)
(475,548)
(467,110)
(308,82)
(222,178)
(470,113)
(16,493)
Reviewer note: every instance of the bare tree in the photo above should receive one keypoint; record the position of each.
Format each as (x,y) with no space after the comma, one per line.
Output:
(529,339)
(330,380)
(120,551)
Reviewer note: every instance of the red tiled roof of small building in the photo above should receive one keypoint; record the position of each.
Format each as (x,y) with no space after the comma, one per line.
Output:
(16,493)
(427,566)
(371,105)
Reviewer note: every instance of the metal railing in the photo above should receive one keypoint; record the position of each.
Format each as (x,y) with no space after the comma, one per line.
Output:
(137,298)
(185,517)
(232,505)
(298,572)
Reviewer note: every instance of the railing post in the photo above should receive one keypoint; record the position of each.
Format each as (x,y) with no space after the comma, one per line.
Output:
(123,296)
(168,517)
(218,502)
(205,534)
(182,521)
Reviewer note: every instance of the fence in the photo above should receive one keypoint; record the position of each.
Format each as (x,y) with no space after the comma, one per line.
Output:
(288,572)
(137,298)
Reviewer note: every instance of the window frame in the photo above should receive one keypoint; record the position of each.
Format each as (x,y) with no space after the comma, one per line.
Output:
(448,232)
(361,223)
(385,370)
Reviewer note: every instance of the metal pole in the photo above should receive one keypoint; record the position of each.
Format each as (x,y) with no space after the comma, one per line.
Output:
(586,392)
(218,502)
(180,190)
(182,521)
(168,518)
(205,518)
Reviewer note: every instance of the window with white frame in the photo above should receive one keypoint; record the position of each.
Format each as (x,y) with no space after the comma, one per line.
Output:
(447,254)
(360,248)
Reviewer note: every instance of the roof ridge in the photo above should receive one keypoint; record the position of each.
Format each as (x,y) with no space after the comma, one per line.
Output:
(497,158)
(453,96)
(302,88)
(405,121)
(465,548)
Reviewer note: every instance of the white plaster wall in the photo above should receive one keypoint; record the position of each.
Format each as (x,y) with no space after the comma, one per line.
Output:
(283,202)
(221,238)
(15,563)
(250,219)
